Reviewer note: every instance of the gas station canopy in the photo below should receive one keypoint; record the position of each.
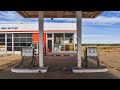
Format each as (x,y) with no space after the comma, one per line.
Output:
(59,14)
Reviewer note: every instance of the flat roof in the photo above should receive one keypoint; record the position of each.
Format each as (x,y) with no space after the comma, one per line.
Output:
(59,14)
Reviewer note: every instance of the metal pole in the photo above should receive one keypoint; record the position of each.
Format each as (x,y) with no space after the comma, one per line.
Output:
(79,36)
(6,43)
(41,30)
(12,43)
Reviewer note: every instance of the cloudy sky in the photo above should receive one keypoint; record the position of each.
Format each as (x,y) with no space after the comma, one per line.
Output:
(103,29)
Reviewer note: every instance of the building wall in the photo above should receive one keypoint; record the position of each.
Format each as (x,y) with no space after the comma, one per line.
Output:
(35,37)
(33,29)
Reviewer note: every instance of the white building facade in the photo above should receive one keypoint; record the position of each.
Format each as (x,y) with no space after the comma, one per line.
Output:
(58,37)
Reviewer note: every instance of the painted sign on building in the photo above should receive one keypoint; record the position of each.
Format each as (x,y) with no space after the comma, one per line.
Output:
(8,28)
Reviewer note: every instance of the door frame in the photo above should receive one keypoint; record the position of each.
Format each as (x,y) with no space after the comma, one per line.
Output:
(52,38)
(47,44)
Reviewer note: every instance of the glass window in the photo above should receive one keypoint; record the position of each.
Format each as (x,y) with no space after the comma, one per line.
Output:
(2,35)
(16,35)
(9,44)
(17,48)
(22,39)
(69,38)
(2,43)
(22,44)
(9,35)
(9,48)
(16,39)
(16,44)
(29,44)
(56,48)
(29,34)
(23,35)
(69,47)
(2,46)
(58,38)
(49,35)
(62,48)
(9,39)
(29,39)
(2,39)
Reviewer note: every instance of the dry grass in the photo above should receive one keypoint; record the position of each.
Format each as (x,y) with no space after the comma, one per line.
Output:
(7,60)
(109,55)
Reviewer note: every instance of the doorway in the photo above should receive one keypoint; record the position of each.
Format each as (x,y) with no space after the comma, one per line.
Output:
(49,46)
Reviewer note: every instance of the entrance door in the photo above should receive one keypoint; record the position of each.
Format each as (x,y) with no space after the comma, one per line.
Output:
(49,46)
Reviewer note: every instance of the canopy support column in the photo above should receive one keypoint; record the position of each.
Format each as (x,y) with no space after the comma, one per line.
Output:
(79,36)
(80,69)
(41,68)
(41,30)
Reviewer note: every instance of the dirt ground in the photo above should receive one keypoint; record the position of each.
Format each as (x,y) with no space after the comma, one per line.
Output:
(8,59)
(57,65)
(56,71)
(109,55)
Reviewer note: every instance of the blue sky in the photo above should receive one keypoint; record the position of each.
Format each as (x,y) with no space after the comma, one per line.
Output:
(103,29)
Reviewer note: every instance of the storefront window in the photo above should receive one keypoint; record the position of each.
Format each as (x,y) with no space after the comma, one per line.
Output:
(17,48)
(29,35)
(69,47)
(2,38)
(16,39)
(2,42)
(9,35)
(58,48)
(58,38)
(9,42)
(16,35)
(22,40)
(63,42)
(69,38)
(23,35)
(9,48)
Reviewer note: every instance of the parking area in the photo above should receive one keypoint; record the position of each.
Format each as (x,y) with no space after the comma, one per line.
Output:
(57,65)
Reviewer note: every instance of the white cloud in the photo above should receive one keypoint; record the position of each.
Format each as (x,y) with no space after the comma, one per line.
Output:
(102,20)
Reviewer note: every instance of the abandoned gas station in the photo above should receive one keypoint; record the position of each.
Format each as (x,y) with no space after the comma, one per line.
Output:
(59,14)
